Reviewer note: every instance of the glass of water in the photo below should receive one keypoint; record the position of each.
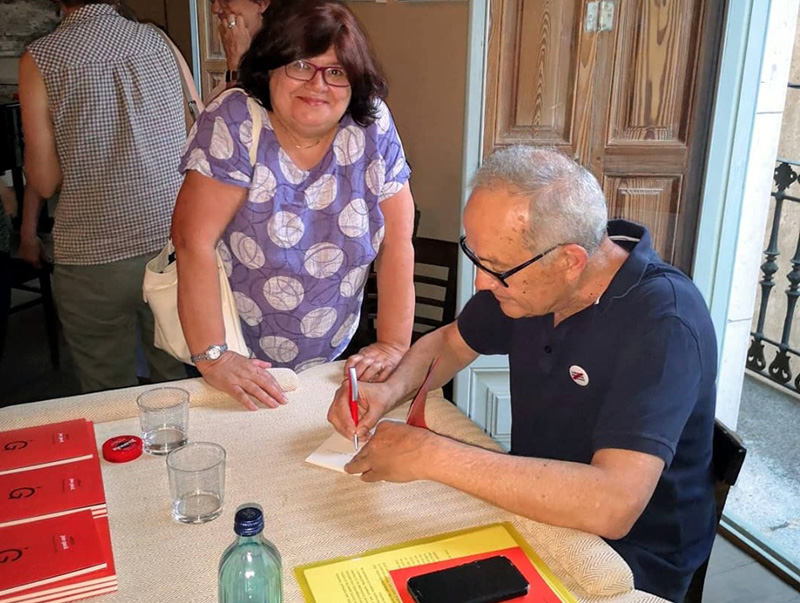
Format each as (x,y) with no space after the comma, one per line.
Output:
(197,481)
(164,417)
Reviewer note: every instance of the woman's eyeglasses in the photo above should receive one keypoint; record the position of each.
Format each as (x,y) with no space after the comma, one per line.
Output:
(500,276)
(305,72)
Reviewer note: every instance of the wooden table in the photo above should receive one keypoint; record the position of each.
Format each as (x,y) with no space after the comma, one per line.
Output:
(311,513)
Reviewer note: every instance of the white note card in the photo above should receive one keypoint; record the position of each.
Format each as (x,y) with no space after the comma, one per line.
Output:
(334,453)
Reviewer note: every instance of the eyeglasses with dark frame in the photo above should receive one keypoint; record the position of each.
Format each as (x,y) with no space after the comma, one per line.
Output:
(305,72)
(501,276)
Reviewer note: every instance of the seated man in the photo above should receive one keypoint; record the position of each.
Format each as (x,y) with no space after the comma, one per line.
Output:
(612,359)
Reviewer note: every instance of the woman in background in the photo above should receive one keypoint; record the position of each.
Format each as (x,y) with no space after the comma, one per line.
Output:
(298,227)
(239,22)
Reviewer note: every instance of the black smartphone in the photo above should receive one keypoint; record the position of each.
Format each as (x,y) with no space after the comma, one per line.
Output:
(487,580)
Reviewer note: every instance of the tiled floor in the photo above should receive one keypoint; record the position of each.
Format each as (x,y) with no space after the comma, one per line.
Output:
(26,375)
(733,577)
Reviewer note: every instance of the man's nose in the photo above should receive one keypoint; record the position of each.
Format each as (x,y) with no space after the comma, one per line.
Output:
(484,281)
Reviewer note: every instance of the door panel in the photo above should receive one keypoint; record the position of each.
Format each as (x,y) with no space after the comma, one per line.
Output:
(652,201)
(654,70)
(655,96)
(534,59)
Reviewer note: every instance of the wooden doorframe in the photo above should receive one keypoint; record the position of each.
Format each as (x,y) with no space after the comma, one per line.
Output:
(195,36)
(474,120)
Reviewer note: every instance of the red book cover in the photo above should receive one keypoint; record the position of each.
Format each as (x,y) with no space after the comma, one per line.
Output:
(416,412)
(50,550)
(46,445)
(76,587)
(49,491)
(538,592)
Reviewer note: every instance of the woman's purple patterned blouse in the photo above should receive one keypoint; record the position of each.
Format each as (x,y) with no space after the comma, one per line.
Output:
(298,251)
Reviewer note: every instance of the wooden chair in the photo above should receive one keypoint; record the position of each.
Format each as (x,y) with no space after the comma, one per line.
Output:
(24,277)
(727,458)
(435,281)
(18,274)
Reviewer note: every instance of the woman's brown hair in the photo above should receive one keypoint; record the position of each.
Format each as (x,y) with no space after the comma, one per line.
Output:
(302,29)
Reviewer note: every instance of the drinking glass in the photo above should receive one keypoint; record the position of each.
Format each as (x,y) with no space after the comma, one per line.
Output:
(164,417)
(197,481)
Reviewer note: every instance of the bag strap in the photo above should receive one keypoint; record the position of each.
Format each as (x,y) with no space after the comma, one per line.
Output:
(255,114)
(193,101)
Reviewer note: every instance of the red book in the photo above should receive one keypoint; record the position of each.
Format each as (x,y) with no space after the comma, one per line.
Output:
(46,445)
(76,587)
(538,592)
(48,551)
(416,412)
(50,491)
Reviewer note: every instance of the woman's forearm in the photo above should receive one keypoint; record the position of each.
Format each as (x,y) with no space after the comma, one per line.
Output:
(199,302)
(395,268)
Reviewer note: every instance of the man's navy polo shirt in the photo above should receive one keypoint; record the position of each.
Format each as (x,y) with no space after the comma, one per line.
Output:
(636,371)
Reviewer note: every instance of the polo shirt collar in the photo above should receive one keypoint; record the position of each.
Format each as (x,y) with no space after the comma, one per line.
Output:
(636,239)
(90,11)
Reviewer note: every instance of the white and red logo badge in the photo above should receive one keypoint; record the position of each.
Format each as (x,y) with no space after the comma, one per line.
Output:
(578,375)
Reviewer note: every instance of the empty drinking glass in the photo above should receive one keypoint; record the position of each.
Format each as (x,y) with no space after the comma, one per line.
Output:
(197,481)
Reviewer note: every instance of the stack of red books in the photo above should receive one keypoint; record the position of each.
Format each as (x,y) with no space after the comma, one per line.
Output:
(55,544)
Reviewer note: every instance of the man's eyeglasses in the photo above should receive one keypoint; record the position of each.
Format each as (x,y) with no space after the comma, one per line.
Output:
(305,72)
(500,276)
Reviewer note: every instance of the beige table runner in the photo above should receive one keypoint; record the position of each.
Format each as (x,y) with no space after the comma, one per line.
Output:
(311,513)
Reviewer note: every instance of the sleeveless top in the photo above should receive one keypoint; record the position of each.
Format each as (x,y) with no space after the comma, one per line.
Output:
(117,108)
(297,253)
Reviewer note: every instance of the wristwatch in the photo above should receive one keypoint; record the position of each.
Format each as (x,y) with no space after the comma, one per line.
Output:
(212,353)
(231,75)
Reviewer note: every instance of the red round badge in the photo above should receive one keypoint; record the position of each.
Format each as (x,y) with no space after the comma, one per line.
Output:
(121,449)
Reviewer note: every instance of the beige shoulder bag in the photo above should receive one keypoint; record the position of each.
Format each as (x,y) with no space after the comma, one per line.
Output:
(160,286)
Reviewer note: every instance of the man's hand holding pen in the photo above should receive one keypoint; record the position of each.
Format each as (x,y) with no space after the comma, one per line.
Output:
(358,418)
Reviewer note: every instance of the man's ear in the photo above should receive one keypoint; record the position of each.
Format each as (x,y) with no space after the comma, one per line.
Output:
(575,260)
(263,5)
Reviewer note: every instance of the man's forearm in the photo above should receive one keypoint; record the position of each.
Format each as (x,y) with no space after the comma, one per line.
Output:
(560,493)
(446,345)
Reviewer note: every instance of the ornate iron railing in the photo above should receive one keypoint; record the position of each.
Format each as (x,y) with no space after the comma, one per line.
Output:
(779,370)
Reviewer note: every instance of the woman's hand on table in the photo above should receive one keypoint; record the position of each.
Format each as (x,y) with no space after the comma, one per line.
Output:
(244,379)
(376,362)
(396,453)
(373,403)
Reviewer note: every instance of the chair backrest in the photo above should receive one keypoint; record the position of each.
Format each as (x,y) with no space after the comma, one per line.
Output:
(727,458)
(435,282)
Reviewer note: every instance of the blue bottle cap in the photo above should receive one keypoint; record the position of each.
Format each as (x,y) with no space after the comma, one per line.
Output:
(248,521)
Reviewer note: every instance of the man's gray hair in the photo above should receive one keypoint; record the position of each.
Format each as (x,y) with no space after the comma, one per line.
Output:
(566,204)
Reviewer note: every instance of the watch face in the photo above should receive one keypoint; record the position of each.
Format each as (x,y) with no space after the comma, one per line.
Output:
(214,353)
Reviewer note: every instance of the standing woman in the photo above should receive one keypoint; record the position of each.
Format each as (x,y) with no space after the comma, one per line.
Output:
(103,121)
(297,228)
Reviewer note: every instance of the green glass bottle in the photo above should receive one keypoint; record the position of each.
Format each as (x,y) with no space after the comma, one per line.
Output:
(250,568)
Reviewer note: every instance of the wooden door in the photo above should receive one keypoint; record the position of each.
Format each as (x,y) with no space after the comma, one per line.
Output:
(623,86)
(212,55)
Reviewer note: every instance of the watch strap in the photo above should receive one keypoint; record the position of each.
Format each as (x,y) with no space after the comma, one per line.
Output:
(211,353)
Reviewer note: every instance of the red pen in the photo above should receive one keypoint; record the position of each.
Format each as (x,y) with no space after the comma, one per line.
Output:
(354,402)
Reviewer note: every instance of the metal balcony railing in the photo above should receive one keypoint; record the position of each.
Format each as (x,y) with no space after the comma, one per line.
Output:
(780,368)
